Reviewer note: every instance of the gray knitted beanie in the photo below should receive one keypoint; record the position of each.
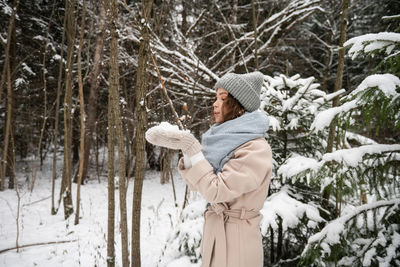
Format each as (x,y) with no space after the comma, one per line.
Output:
(245,88)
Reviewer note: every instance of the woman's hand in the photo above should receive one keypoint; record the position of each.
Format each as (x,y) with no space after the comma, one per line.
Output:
(169,136)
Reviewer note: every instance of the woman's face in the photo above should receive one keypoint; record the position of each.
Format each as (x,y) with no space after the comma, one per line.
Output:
(220,96)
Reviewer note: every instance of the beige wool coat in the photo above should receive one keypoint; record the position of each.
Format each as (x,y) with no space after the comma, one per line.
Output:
(231,233)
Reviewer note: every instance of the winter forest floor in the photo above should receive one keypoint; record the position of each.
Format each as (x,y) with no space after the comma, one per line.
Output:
(87,244)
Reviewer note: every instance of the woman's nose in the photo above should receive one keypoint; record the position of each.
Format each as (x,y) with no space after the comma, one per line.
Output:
(215,104)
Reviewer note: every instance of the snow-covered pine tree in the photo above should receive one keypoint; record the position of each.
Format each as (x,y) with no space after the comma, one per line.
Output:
(183,243)
(291,213)
(366,174)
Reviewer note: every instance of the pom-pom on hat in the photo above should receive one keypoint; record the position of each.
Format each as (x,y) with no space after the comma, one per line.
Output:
(245,88)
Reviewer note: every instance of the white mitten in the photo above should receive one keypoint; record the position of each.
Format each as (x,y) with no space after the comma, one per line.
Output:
(167,135)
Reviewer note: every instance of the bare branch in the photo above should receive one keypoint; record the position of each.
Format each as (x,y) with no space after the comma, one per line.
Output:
(195,23)
(38,244)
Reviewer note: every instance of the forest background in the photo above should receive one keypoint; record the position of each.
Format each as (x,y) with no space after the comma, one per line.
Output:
(77,74)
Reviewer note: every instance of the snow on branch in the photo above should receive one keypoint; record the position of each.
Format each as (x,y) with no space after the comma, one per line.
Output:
(330,234)
(289,104)
(184,240)
(291,211)
(298,164)
(277,30)
(373,41)
(275,25)
(183,58)
(386,83)
(329,97)
(6,9)
(183,66)
(27,69)
(350,157)
(391,17)
(274,123)
(288,15)
(291,95)
(359,138)
(3,40)
(324,118)
(353,156)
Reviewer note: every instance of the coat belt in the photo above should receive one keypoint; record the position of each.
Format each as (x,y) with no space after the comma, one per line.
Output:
(215,217)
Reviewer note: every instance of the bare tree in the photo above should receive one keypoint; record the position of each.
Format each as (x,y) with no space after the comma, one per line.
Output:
(111,189)
(7,76)
(141,121)
(7,45)
(111,177)
(234,21)
(66,185)
(114,91)
(255,21)
(94,80)
(82,110)
(184,25)
(57,110)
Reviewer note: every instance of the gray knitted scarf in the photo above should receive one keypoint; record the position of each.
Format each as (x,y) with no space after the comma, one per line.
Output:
(221,140)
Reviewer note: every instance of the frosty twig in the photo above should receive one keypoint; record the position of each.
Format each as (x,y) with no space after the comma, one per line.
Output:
(164,90)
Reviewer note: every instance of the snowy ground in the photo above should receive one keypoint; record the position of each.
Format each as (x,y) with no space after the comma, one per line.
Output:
(88,246)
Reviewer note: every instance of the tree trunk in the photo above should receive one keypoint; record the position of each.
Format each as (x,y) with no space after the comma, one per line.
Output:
(8,45)
(166,171)
(279,246)
(7,75)
(328,62)
(111,189)
(272,250)
(165,164)
(57,110)
(338,86)
(184,18)
(94,85)
(9,131)
(10,127)
(16,187)
(67,167)
(114,87)
(253,9)
(234,22)
(141,117)
(82,111)
(75,137)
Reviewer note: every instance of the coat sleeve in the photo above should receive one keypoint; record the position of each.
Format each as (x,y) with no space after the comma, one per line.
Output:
(243,173)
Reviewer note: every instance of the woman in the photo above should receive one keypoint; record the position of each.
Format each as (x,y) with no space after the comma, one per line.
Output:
(231,169)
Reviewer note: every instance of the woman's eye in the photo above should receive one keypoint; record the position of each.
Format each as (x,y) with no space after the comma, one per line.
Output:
(219,98)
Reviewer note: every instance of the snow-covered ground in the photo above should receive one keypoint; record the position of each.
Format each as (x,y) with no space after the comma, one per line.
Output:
(87,244)
(62,243)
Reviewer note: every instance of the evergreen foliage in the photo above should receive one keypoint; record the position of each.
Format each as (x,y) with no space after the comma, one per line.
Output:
(368,234)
